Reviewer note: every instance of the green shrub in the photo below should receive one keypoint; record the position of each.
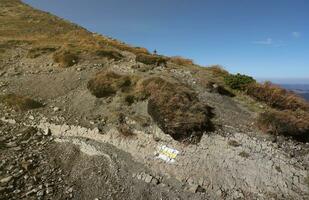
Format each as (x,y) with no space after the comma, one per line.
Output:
(20,103)
(277,97)
(287,123)
(238,81)
(110,54)
(151,59)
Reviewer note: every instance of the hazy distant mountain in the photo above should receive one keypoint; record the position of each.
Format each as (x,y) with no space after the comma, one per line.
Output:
(301,89)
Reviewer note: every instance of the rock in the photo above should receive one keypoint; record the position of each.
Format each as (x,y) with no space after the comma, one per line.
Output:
(47,132)
(193,188)
(49,190)
(31,117)
(155,181)
(6,179)
(40,193)
(148,178)
(56,109)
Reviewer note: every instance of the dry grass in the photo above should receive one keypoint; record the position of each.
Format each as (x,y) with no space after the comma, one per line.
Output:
(107,83)
(20,103)
(287,123)
(25,25)
(218,70)
(181,61)
(110,54)
(176,109)
(151,59)
(125,131)
(39,51)
(65,58)
(244,154)
(277,97)
(233,143)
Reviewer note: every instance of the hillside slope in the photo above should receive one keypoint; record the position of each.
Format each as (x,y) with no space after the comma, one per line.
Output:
(84,116)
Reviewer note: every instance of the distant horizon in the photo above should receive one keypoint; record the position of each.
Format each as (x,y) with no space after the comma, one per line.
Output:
(293,81)
(263,39)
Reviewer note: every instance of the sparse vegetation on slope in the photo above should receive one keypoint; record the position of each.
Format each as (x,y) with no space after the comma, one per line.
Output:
(286,123)
(181,61)
(20,103)
(151,59)
(65,58)
(107,83)
(110,54)
(277,97)
(176,109)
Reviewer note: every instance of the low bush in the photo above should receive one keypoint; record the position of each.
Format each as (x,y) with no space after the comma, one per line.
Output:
(218,70)
(287,123)
(65,58)
(151,59)
(238,81)
(38,51)
(20,103)
(110,54)
(107,83)
(176,109)
(181,61)
(216,88)
(125,130)
(277,97)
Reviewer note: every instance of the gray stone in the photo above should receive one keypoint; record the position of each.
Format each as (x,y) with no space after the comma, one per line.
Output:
(6,179)
(193,188)
(148,178)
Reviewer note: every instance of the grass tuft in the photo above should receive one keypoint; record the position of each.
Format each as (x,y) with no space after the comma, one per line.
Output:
(151,59)
(65,58)
(176,109)
(287,123)
(110,54)
(107,83)
(277,97)
(20,103)
(181,61)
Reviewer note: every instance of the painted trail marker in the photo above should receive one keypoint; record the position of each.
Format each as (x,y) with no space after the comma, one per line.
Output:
(167,154)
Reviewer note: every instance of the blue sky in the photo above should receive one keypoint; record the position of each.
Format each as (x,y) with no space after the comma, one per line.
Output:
(263,38)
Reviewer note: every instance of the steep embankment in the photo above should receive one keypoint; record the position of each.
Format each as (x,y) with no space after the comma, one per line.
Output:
(105,115)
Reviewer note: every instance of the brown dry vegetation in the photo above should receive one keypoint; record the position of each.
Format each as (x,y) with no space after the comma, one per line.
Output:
(39,51)
(110,54)
(178,60)
(20,103)
(277,97)
(107,83)
(25,25)
(151,59)
(125,130)
(176,109)
(218,70)
(288,123)
(65,58)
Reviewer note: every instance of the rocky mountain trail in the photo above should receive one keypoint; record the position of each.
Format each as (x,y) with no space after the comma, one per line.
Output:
(83,116)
